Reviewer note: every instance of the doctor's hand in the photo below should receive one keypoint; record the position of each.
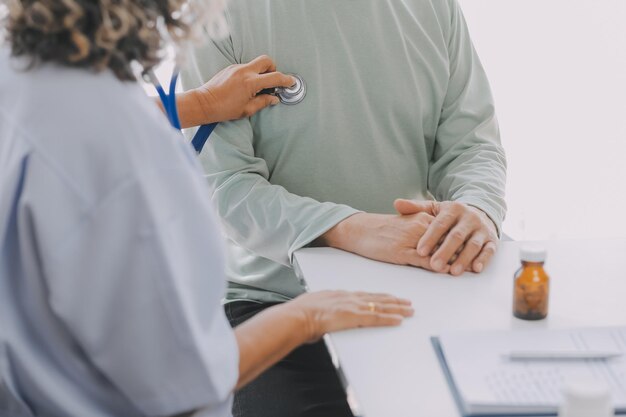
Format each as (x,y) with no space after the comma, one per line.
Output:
(383,237)
(460,235)
(273,333)
(232,93)
(331,311)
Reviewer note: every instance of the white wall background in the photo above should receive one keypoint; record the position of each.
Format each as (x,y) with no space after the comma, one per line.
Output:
(558,74)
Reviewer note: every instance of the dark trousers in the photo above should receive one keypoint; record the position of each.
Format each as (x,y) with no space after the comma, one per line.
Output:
(303,384)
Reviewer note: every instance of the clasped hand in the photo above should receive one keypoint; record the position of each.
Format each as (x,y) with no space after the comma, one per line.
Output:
(460,237)
(446,237)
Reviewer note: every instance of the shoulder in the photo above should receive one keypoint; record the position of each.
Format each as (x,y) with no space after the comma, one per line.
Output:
(96,129)
(88,109)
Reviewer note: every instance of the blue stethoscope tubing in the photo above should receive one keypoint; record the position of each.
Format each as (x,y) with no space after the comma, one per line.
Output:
(292,95)
(169,104)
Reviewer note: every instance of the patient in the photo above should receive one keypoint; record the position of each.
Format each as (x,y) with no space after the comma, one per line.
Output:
(398,107)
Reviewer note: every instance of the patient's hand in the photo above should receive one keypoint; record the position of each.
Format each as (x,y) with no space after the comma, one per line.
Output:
(383,237)
(461,235)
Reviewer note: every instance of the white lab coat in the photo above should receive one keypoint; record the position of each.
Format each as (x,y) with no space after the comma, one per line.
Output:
(111,263)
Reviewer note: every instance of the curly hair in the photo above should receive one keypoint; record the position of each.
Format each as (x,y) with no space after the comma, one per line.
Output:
(99,34)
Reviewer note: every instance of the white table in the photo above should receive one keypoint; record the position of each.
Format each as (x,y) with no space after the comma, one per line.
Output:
(395,373)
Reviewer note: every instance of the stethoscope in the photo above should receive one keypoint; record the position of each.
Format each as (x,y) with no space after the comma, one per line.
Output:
(287,95)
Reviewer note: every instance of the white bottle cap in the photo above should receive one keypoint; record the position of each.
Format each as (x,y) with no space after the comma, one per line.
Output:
(533,254)
(586,399)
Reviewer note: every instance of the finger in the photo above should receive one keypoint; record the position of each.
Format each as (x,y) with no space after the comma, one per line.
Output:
(260,102)
(473,247)
(389,308)
(382,298)
(453,242)
(437,246)
(274,79)
(262,64)
(439,227)
(369,319)
(456,254)
(412,258)
(484,257)
(406,207)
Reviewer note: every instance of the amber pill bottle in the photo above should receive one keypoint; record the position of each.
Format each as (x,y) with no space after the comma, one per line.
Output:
(532,285)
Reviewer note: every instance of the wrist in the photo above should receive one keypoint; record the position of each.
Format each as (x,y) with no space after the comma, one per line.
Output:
(302,322)
(343,233)
(206,101)
(194,109)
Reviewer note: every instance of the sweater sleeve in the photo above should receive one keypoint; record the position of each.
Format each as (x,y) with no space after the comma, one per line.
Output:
(469,163)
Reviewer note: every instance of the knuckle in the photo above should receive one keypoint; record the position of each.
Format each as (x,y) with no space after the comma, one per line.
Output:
(248,111)
(448,217)
(489,250)
(474,218)
(441,222)
(456,206)
(474,243)
(238,69)
(457,234)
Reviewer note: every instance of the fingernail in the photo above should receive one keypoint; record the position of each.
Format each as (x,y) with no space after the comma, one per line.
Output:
(437,264)
(479,267)
(275,101)
(457,270)
(422,251)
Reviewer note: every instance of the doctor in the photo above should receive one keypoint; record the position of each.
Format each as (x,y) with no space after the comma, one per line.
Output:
(111,262)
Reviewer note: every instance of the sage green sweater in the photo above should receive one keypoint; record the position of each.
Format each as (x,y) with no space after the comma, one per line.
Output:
(398,105)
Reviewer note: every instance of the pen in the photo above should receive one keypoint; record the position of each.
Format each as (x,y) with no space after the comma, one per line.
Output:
(561,355)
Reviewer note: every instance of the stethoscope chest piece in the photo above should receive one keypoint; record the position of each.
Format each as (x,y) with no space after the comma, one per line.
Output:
(294,94)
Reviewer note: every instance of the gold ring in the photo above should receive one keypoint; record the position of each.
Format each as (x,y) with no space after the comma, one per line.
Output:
(372,306)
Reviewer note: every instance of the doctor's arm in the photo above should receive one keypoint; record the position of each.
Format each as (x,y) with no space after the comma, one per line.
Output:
(272,334)
(142,299)
(468,168)
(231,94)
